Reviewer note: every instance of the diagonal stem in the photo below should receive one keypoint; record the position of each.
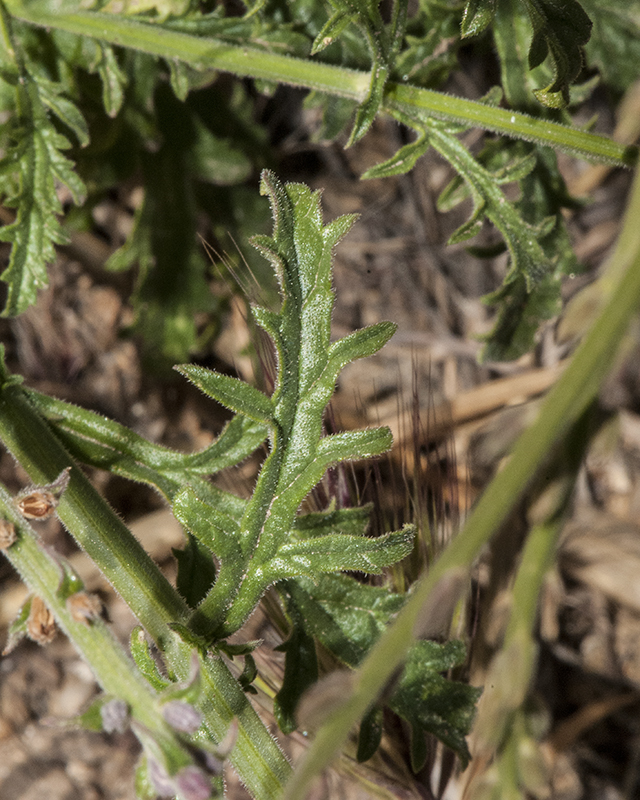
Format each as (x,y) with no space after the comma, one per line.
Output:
(565,403)
(247,61)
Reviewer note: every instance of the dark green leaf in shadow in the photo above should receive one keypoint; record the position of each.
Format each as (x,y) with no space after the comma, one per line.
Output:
(248,675)
(432,703)
(559,30)
(300,672)
(402,162)
(196,571)
(370,734)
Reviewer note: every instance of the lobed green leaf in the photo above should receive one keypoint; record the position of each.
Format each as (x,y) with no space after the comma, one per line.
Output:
(215,529)
(402,162)
(477,16)
(559,30)
(353,521)
(344,615)
(300,672)
(323,554)
(230,392)
(432,703)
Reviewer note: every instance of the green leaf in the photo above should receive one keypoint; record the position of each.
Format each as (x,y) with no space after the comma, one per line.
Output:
(521,311)
(230,392)
(38,162)
(199,643)
(238,439)
(368,110)
(353,521)
(614,46)
(346,616)
(196,571)
(402,162)
(216,530)
(359,344)
(559,30)
(18,627)
(478,15)
(248,674)
(179,79)
(354,444)
(144,788)
(216,160)
(270,544)
(432,703)
(51,95)
(370,734)
(528,258)
(336,113)
(522,307)
(470,228)
(91,719)
(419,750)
(145,662)
(238,649)
(114,80)
(431,43)
(172,284)
(332,28)
(300,672)
(349,446)
(313,557)
(70,581)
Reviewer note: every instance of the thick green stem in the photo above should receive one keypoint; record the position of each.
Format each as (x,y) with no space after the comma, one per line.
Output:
(103,536)
(251,62)
(256,757)
(565,403)
(112,668)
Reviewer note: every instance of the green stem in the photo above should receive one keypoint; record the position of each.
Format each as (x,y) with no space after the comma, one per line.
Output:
(257,758)
(412,100)
(113,669)
(565,403)
(351,84)
(103,536)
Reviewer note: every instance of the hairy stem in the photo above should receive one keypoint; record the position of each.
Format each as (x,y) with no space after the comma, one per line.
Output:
(99,531)
(352,84)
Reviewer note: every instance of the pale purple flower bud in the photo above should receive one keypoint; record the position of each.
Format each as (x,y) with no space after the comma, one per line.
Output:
(115,716)
(160,779)
(192,784)
(182,716)
(213,764)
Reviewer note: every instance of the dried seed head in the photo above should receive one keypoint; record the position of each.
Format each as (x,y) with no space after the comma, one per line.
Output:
(7,534)
(40,502)
(84,607)
(41,625)
(37,505)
